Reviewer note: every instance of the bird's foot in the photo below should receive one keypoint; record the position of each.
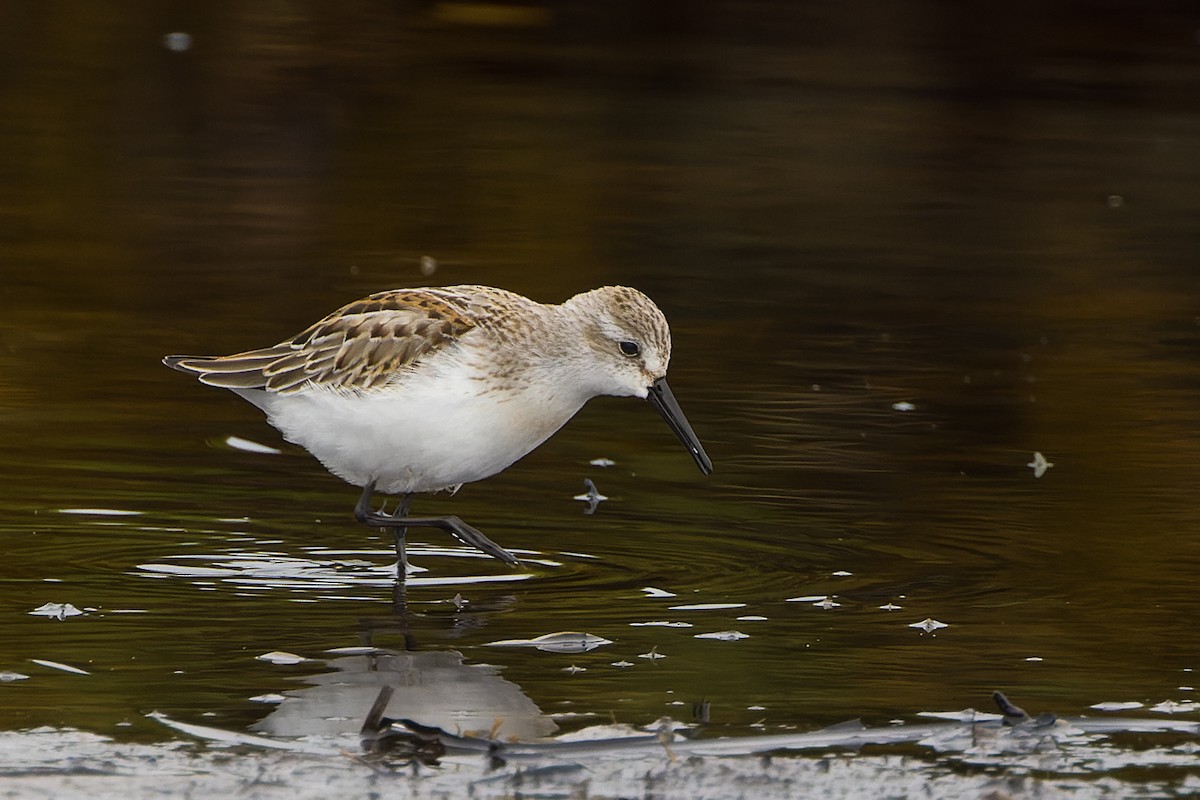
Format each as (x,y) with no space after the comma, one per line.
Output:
(465,534)
(399,520)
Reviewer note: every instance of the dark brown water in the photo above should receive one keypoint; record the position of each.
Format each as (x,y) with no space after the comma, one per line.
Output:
(992,219)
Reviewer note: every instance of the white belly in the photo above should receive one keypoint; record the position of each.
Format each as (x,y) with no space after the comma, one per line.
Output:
(426,436)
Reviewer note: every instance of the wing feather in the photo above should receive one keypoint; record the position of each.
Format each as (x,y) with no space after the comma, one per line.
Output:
(361,346)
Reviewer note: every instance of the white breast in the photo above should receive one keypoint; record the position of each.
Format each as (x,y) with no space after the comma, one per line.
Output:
(432,431)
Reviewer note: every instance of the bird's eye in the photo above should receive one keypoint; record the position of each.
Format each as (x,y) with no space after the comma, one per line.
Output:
(630,349)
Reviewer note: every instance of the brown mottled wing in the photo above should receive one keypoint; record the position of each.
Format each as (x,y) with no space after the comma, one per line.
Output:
(360,346)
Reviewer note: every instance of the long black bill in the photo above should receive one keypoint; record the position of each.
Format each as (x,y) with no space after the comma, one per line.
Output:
(661,398)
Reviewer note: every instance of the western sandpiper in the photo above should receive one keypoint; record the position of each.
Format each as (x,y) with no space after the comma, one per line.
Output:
(422,390)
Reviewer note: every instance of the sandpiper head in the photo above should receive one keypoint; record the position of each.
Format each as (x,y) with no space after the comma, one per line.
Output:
(628,337)
(632,343)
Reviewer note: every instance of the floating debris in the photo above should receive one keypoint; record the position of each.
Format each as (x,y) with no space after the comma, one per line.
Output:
(752,618)
(10,677)
(237,737)
(929,625)
(268,698)
(58,665)
(247,446)
(661,623)
(723,636)
(1035,658)
(706,606)
(652,592)
(592,497)
(1113,705)
(429,265)
(841,573)
(968,715)
(1039,465)
(819,600)
(903,405)
(100,512)
(59,611)
(1172,707)
(353,650)
(280,657)
(573,554)
(563,642)
(602,462)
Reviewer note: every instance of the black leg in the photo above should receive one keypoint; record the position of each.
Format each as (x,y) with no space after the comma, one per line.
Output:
(400,521)
(363,509)
(401,533)
(364,513)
